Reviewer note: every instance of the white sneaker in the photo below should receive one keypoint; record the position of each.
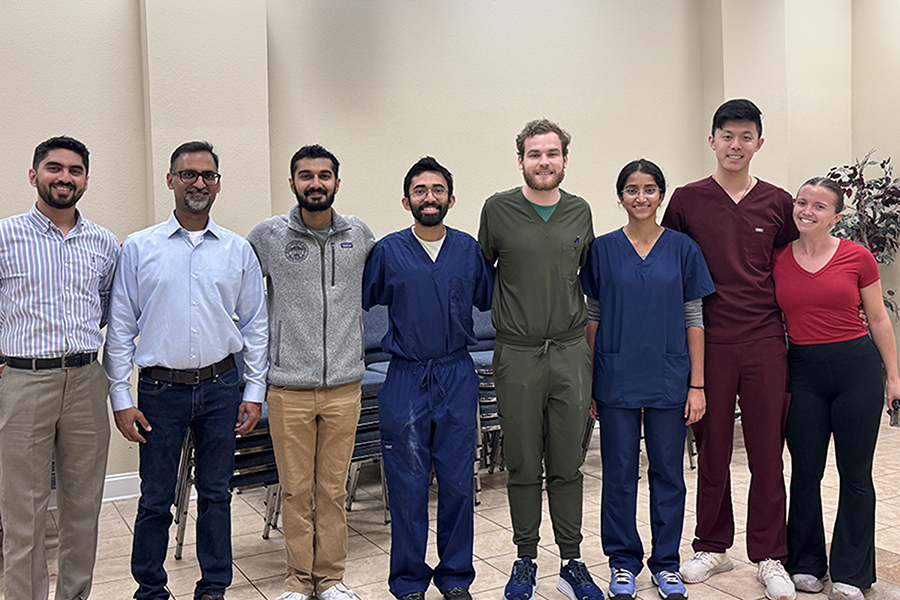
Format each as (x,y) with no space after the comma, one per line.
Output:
(704,565)
(778,583)
(808,583)
(293,596)
(845,591)
(339,591)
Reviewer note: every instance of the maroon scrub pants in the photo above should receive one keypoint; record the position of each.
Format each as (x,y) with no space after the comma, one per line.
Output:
(756,371)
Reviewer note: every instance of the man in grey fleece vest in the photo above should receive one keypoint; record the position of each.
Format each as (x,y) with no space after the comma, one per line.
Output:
(313,261)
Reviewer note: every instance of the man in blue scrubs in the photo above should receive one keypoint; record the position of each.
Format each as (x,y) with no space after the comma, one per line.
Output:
(429,276)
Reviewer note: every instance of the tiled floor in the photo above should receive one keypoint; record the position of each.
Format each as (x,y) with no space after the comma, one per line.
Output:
(258,563)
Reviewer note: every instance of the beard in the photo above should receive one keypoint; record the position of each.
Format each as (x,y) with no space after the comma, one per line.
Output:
(46,194)
(430,219)
(197,201)
(532,182)
(315,205)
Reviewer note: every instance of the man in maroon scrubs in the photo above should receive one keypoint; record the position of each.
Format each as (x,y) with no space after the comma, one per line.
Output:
(738,220)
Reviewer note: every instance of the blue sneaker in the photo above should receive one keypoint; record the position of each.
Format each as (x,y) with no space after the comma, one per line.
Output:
(670,585)
(523,580)
(621,585)
(576,583)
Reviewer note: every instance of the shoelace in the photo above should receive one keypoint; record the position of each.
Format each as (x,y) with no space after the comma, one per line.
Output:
(580,573)
(707,558)
(773,568)
(523,573)
(623,576)
(669,577)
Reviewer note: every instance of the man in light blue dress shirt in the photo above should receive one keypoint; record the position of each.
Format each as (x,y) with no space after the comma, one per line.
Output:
(56,270)
(178,286)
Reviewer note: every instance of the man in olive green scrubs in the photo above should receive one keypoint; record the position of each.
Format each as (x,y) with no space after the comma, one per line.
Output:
(538,236)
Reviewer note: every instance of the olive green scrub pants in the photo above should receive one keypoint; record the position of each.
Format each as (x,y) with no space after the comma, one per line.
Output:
(543,397)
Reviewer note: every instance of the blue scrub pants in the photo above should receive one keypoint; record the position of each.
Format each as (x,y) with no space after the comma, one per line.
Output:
(427,412)
(664,432)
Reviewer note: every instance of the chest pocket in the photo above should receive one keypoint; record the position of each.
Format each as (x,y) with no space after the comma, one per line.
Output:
(462,290)
(568,261)
(758,246)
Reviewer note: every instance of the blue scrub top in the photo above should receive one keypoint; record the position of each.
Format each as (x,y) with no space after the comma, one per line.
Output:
(429,303)
(640,354)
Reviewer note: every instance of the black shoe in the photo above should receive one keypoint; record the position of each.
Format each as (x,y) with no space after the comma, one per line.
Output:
(413,596)
(212,597)
(457,593)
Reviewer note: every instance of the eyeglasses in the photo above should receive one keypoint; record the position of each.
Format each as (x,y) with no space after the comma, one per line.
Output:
(633,192)
(190,176)
(439,192)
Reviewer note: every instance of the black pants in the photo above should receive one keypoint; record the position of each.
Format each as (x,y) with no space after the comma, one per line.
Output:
(837,389)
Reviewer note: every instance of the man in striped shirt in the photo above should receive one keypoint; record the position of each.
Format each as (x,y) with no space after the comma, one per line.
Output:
(56,271)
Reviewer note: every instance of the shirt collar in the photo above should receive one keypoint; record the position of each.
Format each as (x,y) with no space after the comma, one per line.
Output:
(173,226)
(43,223)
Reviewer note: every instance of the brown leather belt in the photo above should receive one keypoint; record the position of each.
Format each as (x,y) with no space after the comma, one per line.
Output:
(189,376)
(62,362)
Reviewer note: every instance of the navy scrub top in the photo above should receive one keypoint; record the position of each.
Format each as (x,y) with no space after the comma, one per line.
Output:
(640,354)
(429,303)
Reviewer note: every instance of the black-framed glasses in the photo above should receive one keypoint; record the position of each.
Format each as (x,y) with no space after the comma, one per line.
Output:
(439,192)
(190,176)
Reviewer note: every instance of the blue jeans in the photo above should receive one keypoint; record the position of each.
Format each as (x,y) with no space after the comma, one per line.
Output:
(210,410)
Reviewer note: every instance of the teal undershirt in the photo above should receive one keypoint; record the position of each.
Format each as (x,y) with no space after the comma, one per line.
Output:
(545,212)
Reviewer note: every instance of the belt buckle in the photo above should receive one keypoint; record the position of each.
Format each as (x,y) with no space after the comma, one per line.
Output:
(196,374)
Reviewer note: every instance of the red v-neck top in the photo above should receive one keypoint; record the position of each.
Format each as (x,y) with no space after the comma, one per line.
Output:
(823,307)
(737,241)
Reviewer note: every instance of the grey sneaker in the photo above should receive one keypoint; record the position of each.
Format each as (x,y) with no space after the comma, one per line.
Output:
(845,591)
(778,583)
(704,565)
(808,583)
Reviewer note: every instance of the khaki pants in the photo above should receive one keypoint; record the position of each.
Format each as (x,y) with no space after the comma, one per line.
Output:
(61,410)
(313,431)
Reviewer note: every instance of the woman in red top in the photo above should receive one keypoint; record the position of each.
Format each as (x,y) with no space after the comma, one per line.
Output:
(837,389)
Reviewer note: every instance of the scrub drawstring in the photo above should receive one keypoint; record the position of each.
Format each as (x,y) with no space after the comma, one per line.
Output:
(545,347)
(429,377)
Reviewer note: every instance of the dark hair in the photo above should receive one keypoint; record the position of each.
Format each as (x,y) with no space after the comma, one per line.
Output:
(540,127)
(739,109)
(427,164)
(831,186)
(61,142)
(640,165)
(189,147)
(314,151)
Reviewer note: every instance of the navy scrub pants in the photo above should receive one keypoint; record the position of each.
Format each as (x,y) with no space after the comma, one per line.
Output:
(664,433)
(427,411)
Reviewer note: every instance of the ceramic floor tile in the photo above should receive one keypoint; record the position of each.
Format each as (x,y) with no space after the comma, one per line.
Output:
(261,566)
(259,563)
(183,581)
(363,571)
(270,587)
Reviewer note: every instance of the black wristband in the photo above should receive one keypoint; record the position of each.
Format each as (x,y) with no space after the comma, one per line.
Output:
(697,387)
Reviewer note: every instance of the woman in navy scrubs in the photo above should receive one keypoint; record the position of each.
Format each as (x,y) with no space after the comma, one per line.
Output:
(644,285)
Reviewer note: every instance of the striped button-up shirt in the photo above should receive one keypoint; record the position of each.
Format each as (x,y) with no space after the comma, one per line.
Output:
(54,288)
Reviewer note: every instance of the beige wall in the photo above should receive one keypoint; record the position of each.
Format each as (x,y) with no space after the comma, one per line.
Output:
(382,83)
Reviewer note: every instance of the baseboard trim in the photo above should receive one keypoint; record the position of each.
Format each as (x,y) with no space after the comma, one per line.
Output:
(121,486)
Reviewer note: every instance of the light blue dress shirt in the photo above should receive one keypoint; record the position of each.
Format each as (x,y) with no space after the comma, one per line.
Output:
(181,299)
